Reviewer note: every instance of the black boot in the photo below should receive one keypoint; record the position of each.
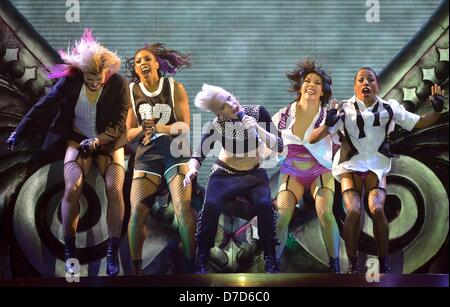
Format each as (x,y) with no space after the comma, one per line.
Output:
(270,261)
(384,265)
(137,265)
(112,257)
(70,251)
(353,265)
(334,265)
(201,259)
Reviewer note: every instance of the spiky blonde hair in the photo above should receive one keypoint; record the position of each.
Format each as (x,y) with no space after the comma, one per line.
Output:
(86,55)
(211,98)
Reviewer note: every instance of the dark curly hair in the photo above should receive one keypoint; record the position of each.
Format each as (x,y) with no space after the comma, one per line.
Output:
(304,68)
(170,61)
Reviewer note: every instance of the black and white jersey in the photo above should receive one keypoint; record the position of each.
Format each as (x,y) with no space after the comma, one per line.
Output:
(158,104)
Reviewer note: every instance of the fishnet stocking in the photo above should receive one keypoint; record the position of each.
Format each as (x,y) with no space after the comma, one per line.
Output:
(352,202)
(286,202)
(70,206)
(376,199)
(181,200)
(142,193)
(114,178)
(324,207)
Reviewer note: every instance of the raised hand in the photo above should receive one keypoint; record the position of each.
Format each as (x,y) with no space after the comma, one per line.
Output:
(332,116)
(437,98)
(249,122)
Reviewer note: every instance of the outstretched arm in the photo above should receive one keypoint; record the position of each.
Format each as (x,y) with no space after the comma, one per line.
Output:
(437,102)
(43,110)
(45,107)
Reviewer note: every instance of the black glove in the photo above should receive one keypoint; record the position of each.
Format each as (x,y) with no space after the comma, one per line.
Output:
(331,118)
(437,102)
(11,141)
(89,145)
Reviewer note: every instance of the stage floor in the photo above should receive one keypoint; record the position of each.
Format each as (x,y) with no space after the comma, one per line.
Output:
(239,280)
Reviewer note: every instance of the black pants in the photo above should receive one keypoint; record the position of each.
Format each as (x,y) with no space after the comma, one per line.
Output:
(224,184)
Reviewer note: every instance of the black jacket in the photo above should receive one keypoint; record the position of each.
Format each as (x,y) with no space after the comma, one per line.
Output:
(58,107)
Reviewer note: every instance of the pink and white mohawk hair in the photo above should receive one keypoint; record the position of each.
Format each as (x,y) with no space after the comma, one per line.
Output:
(86,55)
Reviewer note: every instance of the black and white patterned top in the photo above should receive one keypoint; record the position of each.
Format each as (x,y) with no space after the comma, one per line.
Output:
(233,136)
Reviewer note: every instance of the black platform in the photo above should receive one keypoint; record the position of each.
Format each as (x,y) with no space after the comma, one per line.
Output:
(239,280)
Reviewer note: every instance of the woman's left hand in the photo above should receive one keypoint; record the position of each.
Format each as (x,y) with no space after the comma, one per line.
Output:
(189,177)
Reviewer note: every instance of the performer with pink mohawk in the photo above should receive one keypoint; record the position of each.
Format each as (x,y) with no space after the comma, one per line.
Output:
(87,108)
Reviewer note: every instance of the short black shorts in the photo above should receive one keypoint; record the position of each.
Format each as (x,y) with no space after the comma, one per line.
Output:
(162,167)
(157,159)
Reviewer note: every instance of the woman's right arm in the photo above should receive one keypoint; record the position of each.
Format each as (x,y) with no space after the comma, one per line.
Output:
(44,109)
(133,129)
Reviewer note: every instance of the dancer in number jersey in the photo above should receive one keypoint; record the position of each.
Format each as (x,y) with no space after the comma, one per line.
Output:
(158,119)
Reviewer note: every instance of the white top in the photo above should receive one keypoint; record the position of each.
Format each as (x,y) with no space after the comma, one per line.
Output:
(368,157)
(322,150)
(86,114)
